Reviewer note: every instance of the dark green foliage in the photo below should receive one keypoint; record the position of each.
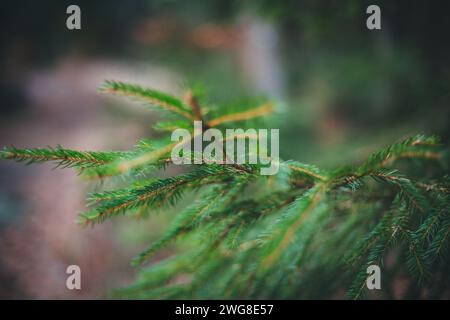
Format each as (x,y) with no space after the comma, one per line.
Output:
(304,233)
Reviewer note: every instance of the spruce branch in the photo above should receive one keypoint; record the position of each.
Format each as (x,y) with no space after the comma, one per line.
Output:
(244,115)
(283,236)
(154,194)
(153,97)
(63,157)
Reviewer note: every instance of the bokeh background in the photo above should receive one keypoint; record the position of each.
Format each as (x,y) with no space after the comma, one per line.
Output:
(344,90)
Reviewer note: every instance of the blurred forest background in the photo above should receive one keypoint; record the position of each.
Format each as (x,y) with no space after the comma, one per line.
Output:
(345,92)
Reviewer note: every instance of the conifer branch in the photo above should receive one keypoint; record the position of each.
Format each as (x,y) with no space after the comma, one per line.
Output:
(312,199)
(271,240)
(153,97)
(241,116)
(63,157)
(308,170)
(195,106)
(154,194)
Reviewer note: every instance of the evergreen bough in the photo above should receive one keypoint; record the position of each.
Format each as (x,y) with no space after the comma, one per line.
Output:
(303,233)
